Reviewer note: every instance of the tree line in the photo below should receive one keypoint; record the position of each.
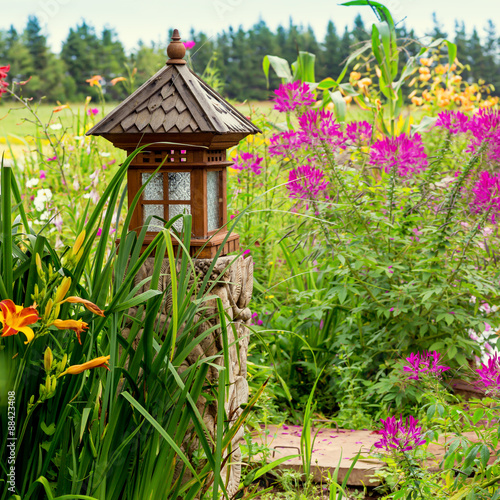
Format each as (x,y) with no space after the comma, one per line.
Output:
(233,58)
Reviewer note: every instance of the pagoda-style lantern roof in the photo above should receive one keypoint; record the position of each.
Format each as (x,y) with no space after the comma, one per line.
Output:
(175,101)
(188,126)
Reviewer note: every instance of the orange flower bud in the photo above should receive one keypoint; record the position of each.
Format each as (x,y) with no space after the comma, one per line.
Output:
(93,363)
(88,305)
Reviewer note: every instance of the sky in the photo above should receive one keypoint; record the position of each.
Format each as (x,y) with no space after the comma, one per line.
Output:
(149,20)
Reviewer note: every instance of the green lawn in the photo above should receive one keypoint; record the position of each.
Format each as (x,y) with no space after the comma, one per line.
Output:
(15,119)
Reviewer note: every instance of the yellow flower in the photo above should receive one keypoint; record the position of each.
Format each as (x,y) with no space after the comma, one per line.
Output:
(114,81)
(423,70)
(347,100)
(426,61)
(78,326)
(93,363)
(418,101)
(95,80)
(355,76)
(424,77)
(16,319)
(364,83)
(456,79)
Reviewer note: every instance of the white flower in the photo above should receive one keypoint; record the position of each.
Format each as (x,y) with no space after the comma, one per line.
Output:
(45,215)
(56,126)
(41,197)
(32,182)
(105,154)
(39,204)
(76,184)
(44,194)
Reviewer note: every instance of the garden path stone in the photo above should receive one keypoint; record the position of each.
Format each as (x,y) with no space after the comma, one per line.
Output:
(332,445)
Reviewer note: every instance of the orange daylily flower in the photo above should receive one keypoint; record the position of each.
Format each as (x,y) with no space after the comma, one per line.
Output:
(95,80)
(88,305)
(17,318)
(60,108)
(93,363)
(78,326)
(114,81)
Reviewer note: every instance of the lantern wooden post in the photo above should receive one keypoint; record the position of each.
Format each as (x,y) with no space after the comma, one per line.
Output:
(189,128)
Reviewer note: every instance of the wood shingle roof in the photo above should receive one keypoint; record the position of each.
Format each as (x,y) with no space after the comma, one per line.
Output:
(174,100)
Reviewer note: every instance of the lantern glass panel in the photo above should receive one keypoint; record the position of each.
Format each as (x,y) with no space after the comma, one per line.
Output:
(179,186)
(155,225)
(213,200)
(174,210)
(154,190)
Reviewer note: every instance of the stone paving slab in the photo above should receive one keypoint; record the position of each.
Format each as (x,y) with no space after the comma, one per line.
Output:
(332,445)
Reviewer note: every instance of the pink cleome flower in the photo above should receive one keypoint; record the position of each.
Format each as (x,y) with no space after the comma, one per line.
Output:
(360,133)
(189,44)
(405,154)
(3,75)
(318,129)
(485,128)
(92,111)
(489,375)
(291,96)
(455,122)
(285,144)
(427,362)
(487,195)
(248,161)
(306,182)
(398,435)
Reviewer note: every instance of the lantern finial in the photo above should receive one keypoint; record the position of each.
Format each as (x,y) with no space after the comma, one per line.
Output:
(176,50)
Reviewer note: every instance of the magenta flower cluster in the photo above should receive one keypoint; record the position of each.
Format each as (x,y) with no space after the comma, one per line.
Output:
(489,375)
(306,182)
(487,195)
(317,130)
(403,153)
(425,363)
(359,133)
(484,127)
(291,96)
(248,161)
(454,121)
(399,435)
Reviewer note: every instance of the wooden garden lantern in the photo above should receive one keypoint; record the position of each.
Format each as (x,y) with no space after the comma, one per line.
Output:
(175,106)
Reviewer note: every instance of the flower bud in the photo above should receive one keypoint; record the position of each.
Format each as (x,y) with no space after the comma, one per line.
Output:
(63,363)
(47,385)
(47,359)
(42,391)
(63,289)
(48,308)
(53,384)
(78,243)
(79,256)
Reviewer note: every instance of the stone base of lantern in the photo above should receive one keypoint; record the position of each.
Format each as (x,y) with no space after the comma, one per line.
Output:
(234,277)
